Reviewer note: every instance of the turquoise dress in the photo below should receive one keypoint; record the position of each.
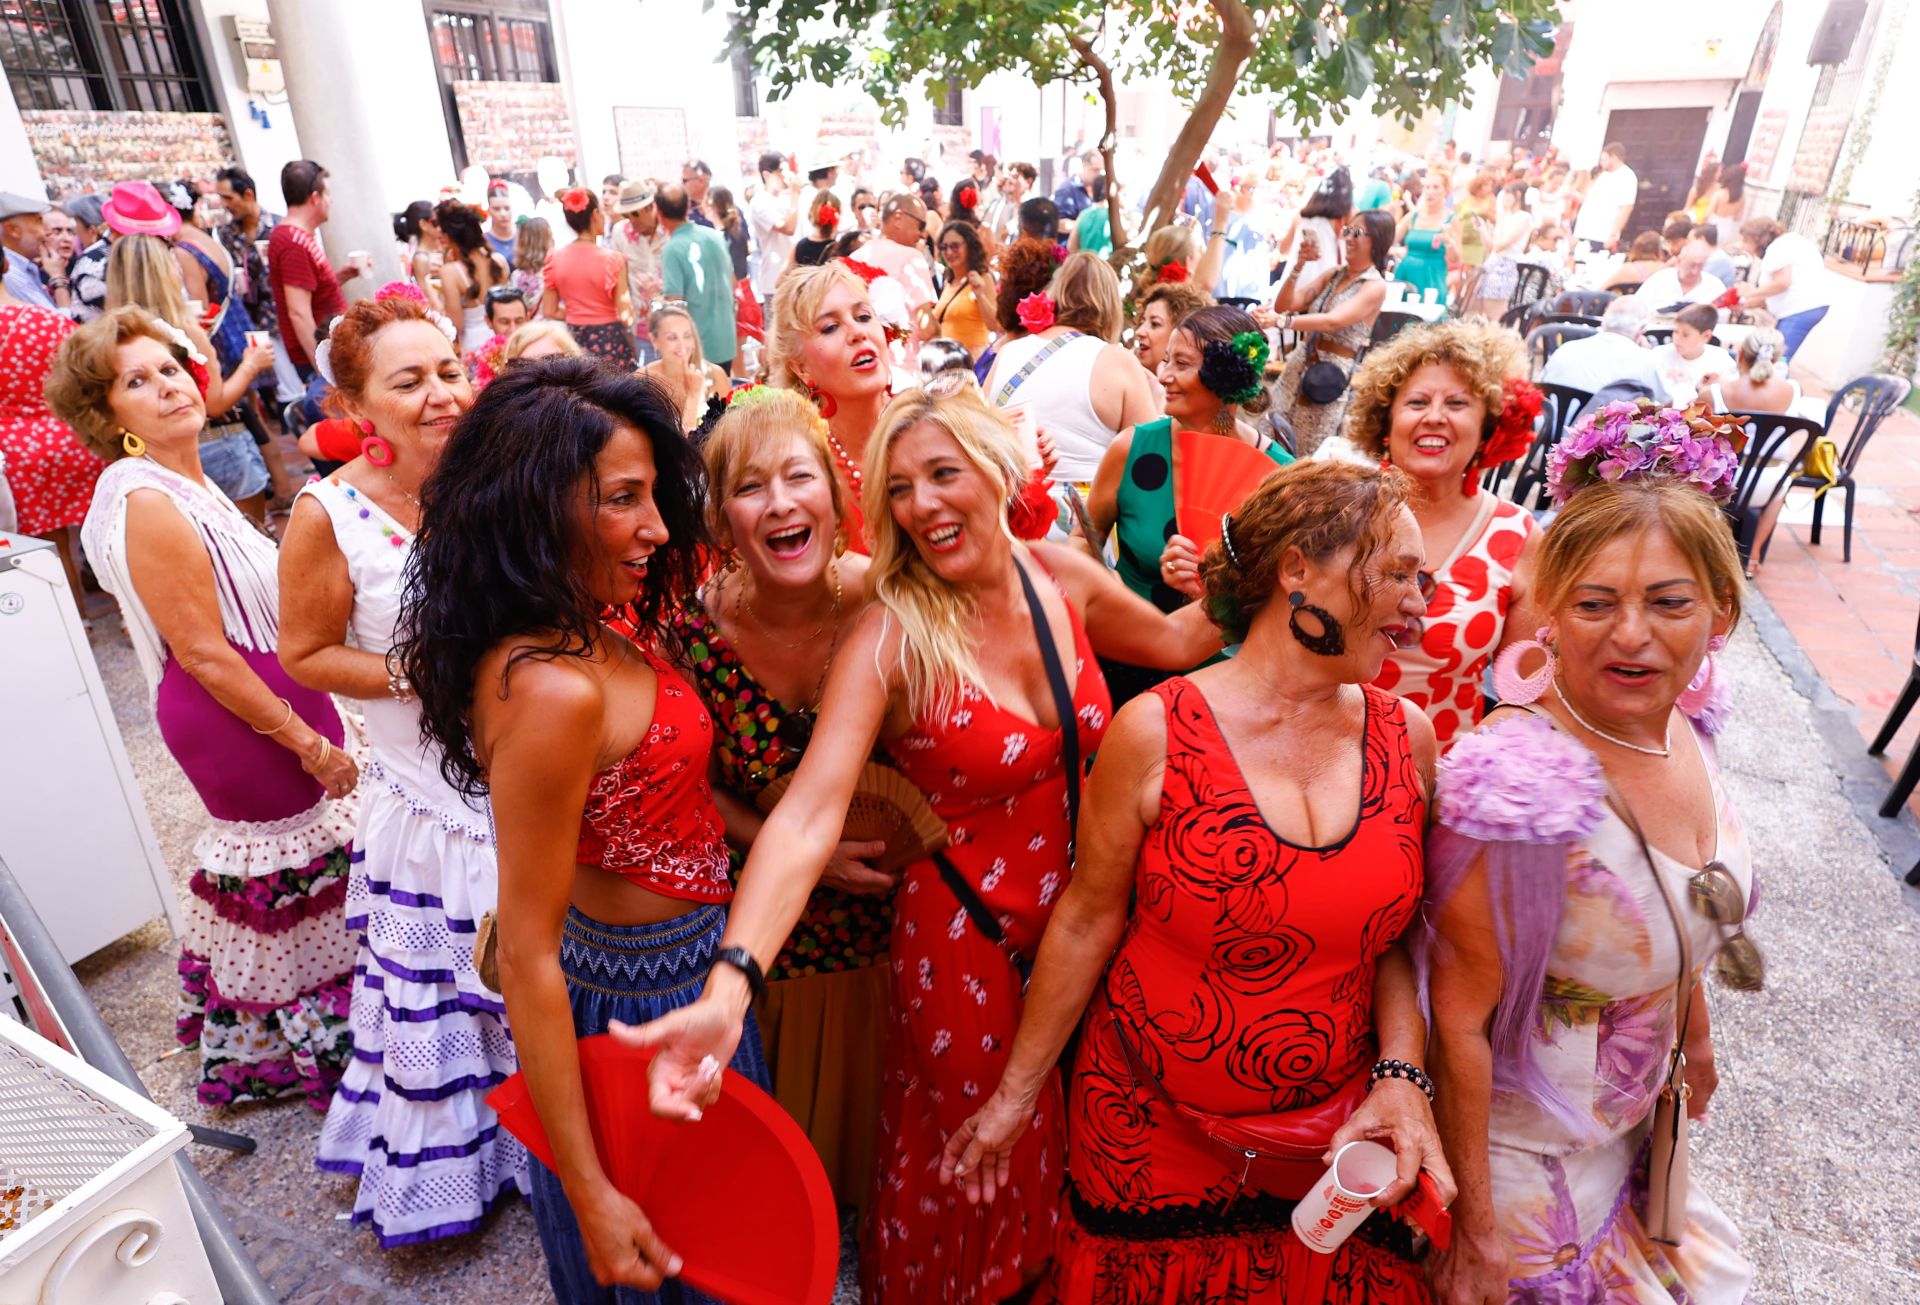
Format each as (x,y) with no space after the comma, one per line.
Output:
(1424,266)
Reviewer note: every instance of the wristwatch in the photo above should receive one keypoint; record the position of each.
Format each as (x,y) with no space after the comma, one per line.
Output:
(742,960)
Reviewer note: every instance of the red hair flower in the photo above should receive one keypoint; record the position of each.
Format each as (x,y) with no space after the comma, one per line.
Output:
(1171,273)
(827,216)
(865,271)
(1513,433)
(1035,312)
(576,199)
(968,197)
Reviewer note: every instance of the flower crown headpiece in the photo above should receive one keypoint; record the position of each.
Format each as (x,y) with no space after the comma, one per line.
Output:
(1632,440)
(1035,312)
(1235,370)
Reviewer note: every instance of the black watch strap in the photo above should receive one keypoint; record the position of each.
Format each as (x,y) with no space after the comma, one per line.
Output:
(742,960)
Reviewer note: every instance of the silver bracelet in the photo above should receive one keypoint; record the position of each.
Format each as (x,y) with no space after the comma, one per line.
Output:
(400,687)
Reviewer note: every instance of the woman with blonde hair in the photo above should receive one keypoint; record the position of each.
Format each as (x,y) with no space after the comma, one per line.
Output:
(266,961)
(682,369)
(1069,372)
(142,273)
(530,251)
(757,641)
(1444,403)
(543,338)
(975,671)
(827,343)
(1758,386)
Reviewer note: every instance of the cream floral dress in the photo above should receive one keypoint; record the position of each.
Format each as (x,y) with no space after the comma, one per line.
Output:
(1568,1200)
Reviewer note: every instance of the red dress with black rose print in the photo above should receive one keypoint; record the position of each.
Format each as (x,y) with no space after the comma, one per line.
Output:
(1245,982)
(998,782)
(1466,617)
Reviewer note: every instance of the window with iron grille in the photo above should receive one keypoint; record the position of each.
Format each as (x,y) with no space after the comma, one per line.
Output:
(950,113)
(746,96)
(502,42)
(124,55)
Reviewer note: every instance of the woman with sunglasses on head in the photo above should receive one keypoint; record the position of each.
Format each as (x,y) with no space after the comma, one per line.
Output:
(594,751)
(1334,316)
(1250,859)
(431,1039)
(975,671)
(1571,1038)
(757,641)
(1444,403)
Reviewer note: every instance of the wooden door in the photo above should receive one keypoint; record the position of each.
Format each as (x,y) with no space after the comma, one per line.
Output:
(1663,149)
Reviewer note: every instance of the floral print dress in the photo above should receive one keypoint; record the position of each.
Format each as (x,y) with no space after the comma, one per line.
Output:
(1568,1198)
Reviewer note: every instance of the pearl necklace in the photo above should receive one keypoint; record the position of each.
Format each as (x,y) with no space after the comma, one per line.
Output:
(1600,733)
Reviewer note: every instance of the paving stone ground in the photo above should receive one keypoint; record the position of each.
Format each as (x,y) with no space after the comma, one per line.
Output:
(1813,1146)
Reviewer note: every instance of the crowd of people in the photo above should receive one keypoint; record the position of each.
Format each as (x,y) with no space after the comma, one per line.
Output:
(650,527)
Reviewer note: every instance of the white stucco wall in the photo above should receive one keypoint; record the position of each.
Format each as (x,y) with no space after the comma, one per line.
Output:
(19,172)
(262,151)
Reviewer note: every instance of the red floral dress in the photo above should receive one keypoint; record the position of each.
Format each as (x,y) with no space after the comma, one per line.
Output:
(49,470)
(1245,982)
(1465,619)
(997,780)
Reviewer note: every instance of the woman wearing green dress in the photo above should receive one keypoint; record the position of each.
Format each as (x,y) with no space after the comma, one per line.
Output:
(1213,374)
(1424,233)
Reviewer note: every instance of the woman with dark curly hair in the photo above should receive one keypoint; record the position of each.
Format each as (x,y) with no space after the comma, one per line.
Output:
(470,269)
(613,866)
(1212,372)
(965,311)
(1264,814)
(1444,403)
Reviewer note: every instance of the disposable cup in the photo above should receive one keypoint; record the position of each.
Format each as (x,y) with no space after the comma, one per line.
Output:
(257,338)
(1342,1198)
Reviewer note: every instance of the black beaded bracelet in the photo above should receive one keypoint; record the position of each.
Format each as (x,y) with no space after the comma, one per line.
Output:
(1402,1070)
(742,960)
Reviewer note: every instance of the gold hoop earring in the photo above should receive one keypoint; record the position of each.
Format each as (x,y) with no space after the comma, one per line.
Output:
(132,445)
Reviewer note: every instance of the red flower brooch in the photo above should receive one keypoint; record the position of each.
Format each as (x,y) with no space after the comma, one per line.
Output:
(1513,433)
(1171,273)
(1035,312)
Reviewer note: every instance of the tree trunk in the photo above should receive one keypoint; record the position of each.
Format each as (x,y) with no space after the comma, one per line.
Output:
(1108,97)
(1236,47)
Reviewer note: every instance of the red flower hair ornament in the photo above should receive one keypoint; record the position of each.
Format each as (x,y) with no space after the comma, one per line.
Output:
(576,199)
(1035,312)
(865,271)
(1513,433)
(1171,273)
(968,197)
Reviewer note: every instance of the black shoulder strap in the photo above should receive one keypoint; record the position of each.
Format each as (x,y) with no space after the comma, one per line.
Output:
(1062,706)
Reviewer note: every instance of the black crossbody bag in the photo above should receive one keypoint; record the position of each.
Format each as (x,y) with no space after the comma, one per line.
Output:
(970,901)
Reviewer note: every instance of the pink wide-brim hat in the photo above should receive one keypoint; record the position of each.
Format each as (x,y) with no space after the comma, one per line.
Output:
(137,208)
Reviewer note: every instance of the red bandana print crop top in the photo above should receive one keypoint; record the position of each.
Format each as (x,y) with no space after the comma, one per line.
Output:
(650,816)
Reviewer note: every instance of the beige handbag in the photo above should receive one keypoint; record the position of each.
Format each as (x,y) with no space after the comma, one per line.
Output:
(486,951)
(1666,1214)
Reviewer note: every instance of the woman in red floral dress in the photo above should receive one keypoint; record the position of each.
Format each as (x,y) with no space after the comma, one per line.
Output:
(50,471)
(946,671)
(1253,846)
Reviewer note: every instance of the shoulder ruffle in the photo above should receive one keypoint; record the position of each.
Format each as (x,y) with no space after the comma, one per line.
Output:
(1520,781)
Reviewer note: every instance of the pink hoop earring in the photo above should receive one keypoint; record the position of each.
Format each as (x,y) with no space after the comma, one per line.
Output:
(1520,689)
(376,451)
(1703,691)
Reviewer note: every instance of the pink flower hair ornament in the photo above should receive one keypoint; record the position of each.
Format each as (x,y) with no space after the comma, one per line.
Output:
(1633,439)
(1035,312)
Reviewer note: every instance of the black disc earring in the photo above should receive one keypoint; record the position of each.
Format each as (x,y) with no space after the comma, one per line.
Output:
(1330,641)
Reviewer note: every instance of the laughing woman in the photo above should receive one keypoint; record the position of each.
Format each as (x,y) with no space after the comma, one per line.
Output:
(613,865)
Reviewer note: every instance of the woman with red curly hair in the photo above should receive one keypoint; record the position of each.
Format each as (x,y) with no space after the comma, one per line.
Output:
(1444,403)
(590,282)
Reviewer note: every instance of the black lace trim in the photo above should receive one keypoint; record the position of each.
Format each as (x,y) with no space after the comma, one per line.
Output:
(1252,1212)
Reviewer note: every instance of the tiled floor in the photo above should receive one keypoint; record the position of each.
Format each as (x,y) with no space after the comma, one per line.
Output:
(1855,620)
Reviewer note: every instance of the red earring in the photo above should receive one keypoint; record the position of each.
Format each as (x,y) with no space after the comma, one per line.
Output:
(823,401)
(374,449)
(1470,483)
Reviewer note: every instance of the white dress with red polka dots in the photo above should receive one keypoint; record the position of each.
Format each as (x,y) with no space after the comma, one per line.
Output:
(51,472)
(1465,620)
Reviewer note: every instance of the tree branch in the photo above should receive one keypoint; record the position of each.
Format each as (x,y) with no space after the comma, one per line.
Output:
(1104,75)
(1235,48)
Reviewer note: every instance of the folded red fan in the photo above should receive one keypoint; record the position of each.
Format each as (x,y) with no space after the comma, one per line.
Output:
(690,1178)
(1216,473)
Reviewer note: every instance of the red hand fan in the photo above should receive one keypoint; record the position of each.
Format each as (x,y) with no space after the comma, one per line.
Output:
(1205,174)
(1216,474)
(688,1178)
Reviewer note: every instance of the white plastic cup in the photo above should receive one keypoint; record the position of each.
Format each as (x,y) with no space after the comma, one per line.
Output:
(258,339)
(1342,1198)
(362,260)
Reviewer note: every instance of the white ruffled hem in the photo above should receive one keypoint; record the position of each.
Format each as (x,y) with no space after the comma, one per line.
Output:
(253,849)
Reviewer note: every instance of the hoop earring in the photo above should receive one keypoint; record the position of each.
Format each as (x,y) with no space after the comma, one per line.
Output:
(1518,689)
(822,401)
(1331,641)
(1699,695)
(373,448)
(132,445)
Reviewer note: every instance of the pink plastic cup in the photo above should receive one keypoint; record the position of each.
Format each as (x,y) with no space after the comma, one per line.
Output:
(1343,1197)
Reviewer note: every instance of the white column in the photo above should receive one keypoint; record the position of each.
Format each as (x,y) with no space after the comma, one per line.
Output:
(366,103)
(19,170)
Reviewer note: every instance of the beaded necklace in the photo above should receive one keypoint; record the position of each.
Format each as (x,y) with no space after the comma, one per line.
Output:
(846,463)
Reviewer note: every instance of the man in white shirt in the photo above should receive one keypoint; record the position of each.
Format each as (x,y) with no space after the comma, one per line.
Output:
(1793,279)
(900,250)
(1609,201)
(774,215)
(1686,282)
(1612,356)
(1003,213)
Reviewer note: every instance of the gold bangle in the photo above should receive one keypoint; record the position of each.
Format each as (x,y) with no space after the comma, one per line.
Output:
(282,725)
(320,762)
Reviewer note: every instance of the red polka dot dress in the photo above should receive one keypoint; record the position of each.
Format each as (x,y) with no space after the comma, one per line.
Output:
(1465,620)
(50,472)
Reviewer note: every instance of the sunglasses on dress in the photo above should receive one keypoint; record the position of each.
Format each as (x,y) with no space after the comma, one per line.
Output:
(1716,895)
